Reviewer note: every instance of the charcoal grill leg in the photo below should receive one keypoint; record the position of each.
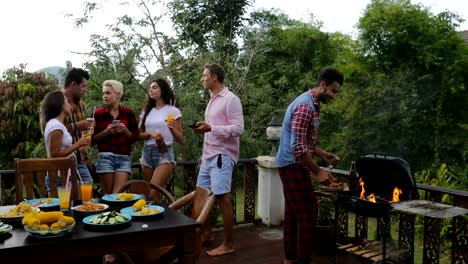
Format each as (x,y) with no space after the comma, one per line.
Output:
(341,217)
(360,232)
(406,234)
(386,236)
(459,244)
(431,251)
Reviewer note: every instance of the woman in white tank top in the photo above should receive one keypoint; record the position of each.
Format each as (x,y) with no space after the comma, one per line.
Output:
(58,141)
(160,126)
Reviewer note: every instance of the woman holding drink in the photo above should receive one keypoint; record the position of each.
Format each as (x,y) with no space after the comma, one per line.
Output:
(58,141)
(160,126)
(116,129)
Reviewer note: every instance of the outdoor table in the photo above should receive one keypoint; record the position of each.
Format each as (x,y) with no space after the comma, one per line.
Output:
(171,228)
(434,213)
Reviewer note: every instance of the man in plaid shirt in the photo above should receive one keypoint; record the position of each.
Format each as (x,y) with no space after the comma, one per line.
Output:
(299,133)
(76,82)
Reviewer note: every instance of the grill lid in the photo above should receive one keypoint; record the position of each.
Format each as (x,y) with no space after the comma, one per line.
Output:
(382,173)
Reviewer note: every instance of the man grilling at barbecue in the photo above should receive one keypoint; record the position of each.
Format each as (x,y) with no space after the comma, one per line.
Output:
(299,133)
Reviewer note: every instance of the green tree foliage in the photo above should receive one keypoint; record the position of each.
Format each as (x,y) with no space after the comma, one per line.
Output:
(405,75)
(209,25)
(134,43)
(20,96)
(409,92)
(280,60)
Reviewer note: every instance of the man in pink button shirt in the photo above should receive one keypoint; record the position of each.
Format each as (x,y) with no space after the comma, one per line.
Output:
(222,128)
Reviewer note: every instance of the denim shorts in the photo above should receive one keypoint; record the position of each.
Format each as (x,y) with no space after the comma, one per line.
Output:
(216,178)
(108,162)
(152,157)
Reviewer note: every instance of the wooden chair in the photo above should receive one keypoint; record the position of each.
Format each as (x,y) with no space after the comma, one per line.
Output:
(32,172)
(201,201)
(145,187)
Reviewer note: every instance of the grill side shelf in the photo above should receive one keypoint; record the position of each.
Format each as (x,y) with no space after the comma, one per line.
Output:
(429,208)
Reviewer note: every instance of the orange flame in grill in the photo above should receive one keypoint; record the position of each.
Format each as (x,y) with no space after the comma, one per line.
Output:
(396,195)
(363,191)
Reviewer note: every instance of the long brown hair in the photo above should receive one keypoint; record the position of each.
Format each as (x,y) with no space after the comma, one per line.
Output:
(51,107)
(166,94)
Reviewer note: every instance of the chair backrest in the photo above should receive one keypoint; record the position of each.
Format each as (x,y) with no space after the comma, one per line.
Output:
(145,187)
(31,172)
(200,202)
(203,199)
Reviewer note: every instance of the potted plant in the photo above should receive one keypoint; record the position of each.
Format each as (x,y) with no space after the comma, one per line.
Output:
(326,227)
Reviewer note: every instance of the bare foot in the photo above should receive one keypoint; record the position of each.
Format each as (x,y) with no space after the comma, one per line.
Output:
(221,250)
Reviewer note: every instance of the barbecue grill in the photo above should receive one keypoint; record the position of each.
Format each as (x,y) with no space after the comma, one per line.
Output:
(379,175)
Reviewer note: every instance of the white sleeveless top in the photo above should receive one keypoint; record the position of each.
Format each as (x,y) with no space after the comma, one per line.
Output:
(156,122)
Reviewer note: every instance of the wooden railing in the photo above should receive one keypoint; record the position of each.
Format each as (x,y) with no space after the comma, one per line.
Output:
(244,195)
(243,191)
(244,185)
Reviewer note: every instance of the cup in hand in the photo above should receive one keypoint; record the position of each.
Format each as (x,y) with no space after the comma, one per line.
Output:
(86,188)
(170,117)
(90,121)
(64,197)
(86,135)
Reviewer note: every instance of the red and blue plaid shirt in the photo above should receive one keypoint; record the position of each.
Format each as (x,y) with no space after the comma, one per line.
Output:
(303,126)
(116,143)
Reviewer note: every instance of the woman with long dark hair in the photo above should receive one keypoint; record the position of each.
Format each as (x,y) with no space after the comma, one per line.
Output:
(58,141)
(160,127)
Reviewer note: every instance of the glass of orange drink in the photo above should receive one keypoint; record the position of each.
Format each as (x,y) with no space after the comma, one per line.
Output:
(86,188)
(64,197)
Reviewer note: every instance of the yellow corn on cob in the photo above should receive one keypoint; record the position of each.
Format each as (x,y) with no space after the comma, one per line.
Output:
(140,204)
(55,225)
(65,221)
(33,223)
(43,229)
(129,196)
(48,217)
(25,217)
(120,196)
(55,228)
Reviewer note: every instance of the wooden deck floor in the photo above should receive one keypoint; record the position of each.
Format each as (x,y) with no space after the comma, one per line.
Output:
(258,244)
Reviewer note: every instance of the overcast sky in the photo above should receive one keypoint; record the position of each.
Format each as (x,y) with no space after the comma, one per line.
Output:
(38,33)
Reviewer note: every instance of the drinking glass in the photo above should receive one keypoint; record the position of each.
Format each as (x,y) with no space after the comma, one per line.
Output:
(87,135)
(64,197)
(170,116)
(86,188)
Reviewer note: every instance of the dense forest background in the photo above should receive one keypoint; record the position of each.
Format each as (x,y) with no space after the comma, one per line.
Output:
(406,75)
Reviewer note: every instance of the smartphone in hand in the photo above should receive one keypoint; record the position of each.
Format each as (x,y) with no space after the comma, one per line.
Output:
(196,124)
(116,122)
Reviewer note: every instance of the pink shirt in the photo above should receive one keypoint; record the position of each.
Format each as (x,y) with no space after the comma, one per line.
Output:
(224,114)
